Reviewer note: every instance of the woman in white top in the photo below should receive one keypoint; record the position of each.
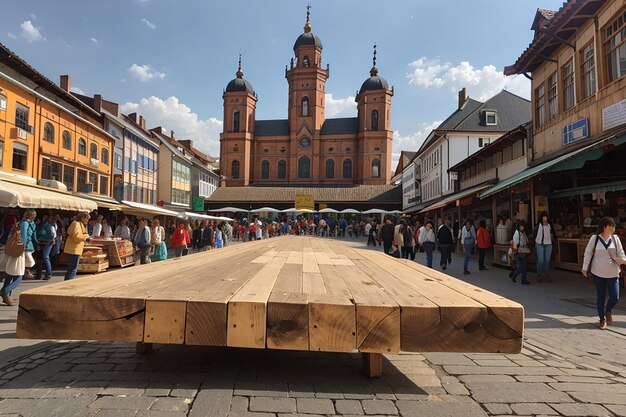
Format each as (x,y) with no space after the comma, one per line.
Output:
(427,240)
(522,250)
(545,236)
(106,228)
(158,240)
(603,256)
(122,230)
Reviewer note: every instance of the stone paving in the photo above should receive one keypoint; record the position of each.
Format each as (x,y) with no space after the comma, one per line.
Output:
(568,367)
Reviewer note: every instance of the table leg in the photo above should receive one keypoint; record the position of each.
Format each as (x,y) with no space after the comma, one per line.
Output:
(144,347)
(373,363)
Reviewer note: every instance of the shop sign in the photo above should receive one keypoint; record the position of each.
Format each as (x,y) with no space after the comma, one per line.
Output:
(576,131)
(198,204)
(614,115)
(304,202)
(467,201)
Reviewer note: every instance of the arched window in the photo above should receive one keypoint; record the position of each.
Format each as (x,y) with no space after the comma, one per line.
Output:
(376,168)
(374,119)
(330,168)
(82,147)
(67,140)
(104,156)
(48,132)
(282,169)
(234,169)
(304,167)
(347,168)
(306,62)
(93,151)
(265,170)
(236,121)
(305,106)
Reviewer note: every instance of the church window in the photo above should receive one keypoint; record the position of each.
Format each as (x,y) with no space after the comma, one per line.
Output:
(234,169)
(236,121)
(376,168)
(374,119)
(306,62)
(330,168)
(265,170)
(282,169)
(347,168)
(304,167)
(305,106)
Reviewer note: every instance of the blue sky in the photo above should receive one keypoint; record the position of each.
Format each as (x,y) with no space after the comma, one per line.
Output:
(170,60)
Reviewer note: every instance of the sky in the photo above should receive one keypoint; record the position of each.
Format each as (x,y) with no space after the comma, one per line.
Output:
(171,60)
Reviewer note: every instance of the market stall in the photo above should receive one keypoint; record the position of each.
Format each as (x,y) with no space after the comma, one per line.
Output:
(119,252)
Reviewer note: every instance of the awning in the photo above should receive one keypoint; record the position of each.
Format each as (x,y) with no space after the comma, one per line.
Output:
(102,201)
(329,210)
(350,211)
(457,196)
(590,189)
(572,160)
(141,208)
(231,210)
(375,211)
(33,196)
(267,209)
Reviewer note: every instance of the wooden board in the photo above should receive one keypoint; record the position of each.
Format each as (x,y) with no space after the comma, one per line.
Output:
(293,292)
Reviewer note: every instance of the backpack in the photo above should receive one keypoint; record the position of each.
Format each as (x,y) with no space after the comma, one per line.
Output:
(407,235)
(15,246)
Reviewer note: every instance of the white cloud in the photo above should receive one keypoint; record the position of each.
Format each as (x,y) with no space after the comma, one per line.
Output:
(33,16)
(145,73)
(31,33)
(77,90)
(148,23)
(341,107)
(482,83)
(11,35)
(410,142)
(94,40)
(171,114)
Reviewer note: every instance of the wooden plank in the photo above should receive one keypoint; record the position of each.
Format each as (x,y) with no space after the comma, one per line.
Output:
(309,263)
(373,364)
(312,283)
(332,323)
(165,321)
(288,321)
(295,257)
(247,314)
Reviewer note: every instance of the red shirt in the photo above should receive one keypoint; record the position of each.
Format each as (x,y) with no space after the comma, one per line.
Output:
(483,238)
(180,237)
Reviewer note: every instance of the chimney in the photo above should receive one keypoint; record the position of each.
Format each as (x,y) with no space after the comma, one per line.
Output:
(133,117)
(142,122)
(97,103)
(65,82)
(171,134)
(462,98)
(187,143)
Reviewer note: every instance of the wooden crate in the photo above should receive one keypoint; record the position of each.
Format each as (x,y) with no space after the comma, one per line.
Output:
(93,268)
(120,252)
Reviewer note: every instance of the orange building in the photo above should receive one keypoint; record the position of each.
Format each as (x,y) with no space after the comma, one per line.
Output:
(47,133)
(307,149)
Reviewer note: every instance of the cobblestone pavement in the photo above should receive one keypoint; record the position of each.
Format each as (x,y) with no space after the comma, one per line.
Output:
(568,367)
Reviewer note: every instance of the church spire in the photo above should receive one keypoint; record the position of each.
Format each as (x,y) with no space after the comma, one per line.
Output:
(239,71)
(374,70)
(307,25)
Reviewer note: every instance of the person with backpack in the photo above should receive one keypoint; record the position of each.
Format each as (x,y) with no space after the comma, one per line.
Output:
(468,238)
(18,251)
(77,235)
(483,242)
(445,239)
(408,241)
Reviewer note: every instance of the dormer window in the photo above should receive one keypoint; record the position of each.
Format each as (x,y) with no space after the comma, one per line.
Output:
(491,118)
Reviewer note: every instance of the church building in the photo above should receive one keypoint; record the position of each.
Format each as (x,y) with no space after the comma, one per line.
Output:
(306,149)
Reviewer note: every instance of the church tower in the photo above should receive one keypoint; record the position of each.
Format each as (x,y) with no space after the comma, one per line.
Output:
(307,84)
(236,138)
(375,134)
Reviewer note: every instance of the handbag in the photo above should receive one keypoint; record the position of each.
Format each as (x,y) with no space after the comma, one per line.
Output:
(15,246)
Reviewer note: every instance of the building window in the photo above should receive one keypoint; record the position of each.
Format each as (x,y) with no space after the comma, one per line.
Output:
(68,177)
(282,169)
(491,118)
(330,168)
(48,132)
(305,62)
(615,47)
(93,151)
(67,140)
(81,180)
(567,72)
(51,170)
(20,155)
(236,121)
(104,185)
(540,103)
(104,156)
(376,168)
(304,167)
(374,120)
(265,170)
(21,117)
(480,142)
(82,147)
(588,71)
(234,169)
(3,102)
(347,168)
(1,152)
(553,107)
(93,180)
(305,106)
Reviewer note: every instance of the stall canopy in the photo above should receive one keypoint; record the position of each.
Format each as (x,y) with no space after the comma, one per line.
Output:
(375,211)
(590,189)
(32,196)
(268,209)
(231,210)
(350,211)
(102,201)
(329,210)
(141,208)
(456,196)
(224,218)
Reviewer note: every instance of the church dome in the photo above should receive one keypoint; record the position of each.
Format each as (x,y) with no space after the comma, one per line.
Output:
(375,81)
(308,38)
(239,84)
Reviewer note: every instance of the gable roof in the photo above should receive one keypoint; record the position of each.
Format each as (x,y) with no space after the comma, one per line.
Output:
(404,155)
(271,127)
(345,125)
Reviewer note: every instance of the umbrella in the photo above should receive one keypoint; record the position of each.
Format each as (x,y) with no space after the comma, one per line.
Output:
(223,218)
(394,212)
(350,211)
(270,209)
(375,211)
(289,210)
(231,210)
(306,211)
(329,210)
